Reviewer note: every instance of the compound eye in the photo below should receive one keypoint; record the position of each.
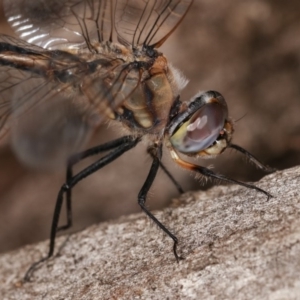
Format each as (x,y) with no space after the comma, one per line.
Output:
(201,130)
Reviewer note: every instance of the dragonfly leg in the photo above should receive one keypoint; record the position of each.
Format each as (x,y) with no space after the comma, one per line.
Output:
(143,195)
(166,171)
(252,159)
(79,157)
(69,176)
(208,173)
(128,143)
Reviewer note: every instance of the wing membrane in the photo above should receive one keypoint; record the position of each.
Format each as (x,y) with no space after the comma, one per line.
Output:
(46,135)
(48,119)
(148,22)
(77,23)
(51,24)
(52,100)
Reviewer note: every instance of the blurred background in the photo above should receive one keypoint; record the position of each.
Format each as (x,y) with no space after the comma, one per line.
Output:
(247,50)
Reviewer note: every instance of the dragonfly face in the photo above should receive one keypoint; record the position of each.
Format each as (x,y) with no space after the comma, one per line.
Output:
(80,62)
(203,129)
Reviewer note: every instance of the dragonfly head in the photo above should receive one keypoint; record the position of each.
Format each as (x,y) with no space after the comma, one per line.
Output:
(203,128)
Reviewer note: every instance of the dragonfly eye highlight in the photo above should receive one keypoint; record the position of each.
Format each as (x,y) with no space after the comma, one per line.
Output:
(201,130)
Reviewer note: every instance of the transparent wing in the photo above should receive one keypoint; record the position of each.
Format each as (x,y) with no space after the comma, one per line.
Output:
(51,101)
(53,23)
(46,119)
(77,23)
(46,135)
(148,22)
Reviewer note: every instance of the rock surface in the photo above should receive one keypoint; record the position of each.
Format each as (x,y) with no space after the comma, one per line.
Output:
(236,244)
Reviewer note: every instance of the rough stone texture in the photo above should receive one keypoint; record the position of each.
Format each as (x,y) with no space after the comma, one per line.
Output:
(237,245)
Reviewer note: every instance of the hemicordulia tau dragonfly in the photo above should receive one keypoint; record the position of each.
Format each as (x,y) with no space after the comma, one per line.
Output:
(79,62)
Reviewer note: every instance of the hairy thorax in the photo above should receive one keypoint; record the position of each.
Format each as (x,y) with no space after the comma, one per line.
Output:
(141,86)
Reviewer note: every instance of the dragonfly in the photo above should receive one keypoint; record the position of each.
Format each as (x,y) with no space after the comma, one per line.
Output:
(79,63)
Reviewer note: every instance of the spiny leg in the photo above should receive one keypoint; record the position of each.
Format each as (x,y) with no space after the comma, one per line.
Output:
(252,158)
(143,195)
(166,171)
(121,149)
(69,175)
(208,173)
(79,157)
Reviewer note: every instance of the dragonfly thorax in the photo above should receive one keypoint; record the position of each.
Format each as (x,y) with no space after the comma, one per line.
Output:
(139,86)
(148,106)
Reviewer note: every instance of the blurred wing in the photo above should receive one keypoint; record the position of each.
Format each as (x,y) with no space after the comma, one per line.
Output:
(46,135)
(148,22)
(47,117)
(51,101)
(53,23)
(46,124)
